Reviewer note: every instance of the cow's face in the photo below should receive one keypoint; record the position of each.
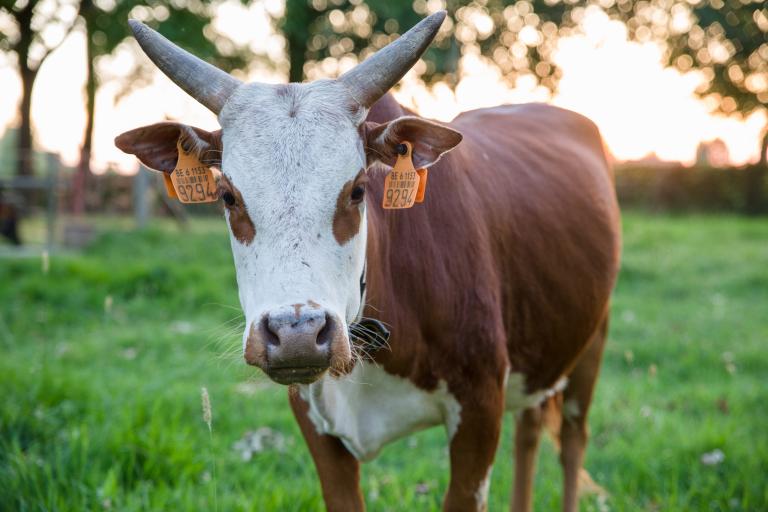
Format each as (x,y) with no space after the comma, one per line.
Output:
(293,164)
(293,160)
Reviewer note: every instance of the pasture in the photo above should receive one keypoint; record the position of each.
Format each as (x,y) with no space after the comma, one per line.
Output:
(104,356)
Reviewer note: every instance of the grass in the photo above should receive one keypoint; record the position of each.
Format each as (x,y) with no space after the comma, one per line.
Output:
(104,356)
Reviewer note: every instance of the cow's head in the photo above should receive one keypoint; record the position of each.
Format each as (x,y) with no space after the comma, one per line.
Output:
(293,160)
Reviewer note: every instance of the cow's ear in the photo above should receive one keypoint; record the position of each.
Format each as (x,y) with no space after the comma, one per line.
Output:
(155,145)
(429,139)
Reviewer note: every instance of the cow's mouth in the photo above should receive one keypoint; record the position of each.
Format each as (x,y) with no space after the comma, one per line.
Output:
(296,375)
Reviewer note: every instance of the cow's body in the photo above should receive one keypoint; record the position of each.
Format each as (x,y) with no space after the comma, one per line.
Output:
(517,241)
(499,280)
(495,289)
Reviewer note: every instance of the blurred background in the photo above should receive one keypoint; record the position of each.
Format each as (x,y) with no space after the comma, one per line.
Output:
(112,318)
(678,88)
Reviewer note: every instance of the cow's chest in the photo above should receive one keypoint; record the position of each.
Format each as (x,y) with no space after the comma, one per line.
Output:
(369,408)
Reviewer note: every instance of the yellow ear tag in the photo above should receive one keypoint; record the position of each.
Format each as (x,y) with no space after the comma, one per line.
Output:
(422,184)
(402,183)
(192,180)
(169,186)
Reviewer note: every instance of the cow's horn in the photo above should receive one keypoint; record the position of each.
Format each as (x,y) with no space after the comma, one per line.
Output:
(372,78)
(204,82)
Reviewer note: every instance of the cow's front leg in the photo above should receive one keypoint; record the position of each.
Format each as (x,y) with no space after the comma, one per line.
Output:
(339,470)
(473,447)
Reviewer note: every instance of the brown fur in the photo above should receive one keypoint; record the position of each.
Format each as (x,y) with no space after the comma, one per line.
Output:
(346,217)
(516,249)
(428,138)
(155,145)
(239,220)
(508,264)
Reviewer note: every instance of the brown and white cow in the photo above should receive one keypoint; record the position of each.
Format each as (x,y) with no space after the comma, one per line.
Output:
(495,289)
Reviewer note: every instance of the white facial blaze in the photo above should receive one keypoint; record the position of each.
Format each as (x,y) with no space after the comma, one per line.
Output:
(289,150)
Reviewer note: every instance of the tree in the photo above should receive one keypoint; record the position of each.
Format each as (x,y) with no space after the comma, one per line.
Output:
(22,34)
(318,29)
(727,40)
(106,26)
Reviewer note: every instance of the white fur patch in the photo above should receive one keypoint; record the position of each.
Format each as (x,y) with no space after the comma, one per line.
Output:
(481,496)
(517,399)
(571,409)
(369,408)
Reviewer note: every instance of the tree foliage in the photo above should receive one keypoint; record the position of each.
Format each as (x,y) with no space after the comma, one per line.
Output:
(325,35)
(726,39)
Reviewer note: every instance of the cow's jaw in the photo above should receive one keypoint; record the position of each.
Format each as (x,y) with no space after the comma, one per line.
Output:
(293,153)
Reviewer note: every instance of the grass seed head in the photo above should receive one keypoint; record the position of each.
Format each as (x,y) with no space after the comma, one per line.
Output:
(206,401)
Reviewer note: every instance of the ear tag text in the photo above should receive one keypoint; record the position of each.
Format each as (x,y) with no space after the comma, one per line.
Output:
(192,180)
(404,185)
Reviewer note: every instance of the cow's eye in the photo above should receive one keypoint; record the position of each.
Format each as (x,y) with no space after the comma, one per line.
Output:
(228,198)
(357,194)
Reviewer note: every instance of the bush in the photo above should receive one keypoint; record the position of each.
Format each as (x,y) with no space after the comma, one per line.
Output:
(672,187)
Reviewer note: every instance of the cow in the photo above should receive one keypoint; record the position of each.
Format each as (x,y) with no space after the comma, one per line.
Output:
(490,296)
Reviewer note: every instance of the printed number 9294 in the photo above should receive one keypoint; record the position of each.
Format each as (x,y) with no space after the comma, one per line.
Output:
(398,197)
(195,192)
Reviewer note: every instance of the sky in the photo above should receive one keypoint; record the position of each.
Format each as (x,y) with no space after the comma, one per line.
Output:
(640,107)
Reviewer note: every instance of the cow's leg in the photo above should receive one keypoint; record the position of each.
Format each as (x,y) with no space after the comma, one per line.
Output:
(473,447)
(527,435)
(339,470)
(577,398)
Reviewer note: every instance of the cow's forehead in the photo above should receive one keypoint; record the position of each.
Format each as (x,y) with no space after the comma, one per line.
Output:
(292,125)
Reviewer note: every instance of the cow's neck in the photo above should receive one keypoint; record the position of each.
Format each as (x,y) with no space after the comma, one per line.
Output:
(398,269)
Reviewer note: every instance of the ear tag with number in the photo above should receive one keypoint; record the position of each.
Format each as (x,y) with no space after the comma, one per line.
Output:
(422,184)
(192,180)
(401,186)
(169,186)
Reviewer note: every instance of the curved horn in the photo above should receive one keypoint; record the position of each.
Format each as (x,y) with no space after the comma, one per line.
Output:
(372,78)
(206,83)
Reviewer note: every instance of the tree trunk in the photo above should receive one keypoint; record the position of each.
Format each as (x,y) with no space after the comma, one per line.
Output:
(755,182)
(299,15)
(80,182)
(297,58)
(24,164)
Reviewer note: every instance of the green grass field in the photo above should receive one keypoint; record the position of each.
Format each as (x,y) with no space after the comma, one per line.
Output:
(103,358)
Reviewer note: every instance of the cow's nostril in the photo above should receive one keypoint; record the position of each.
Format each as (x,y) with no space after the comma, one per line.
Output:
(326,333)
(268,333)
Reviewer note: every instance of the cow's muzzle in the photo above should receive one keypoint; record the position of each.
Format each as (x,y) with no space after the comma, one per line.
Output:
(297,344)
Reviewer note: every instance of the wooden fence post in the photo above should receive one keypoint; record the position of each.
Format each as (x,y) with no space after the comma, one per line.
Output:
(52,182)
(140,201)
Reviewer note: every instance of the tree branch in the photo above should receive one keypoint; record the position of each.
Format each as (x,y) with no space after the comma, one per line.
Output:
(55,47)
